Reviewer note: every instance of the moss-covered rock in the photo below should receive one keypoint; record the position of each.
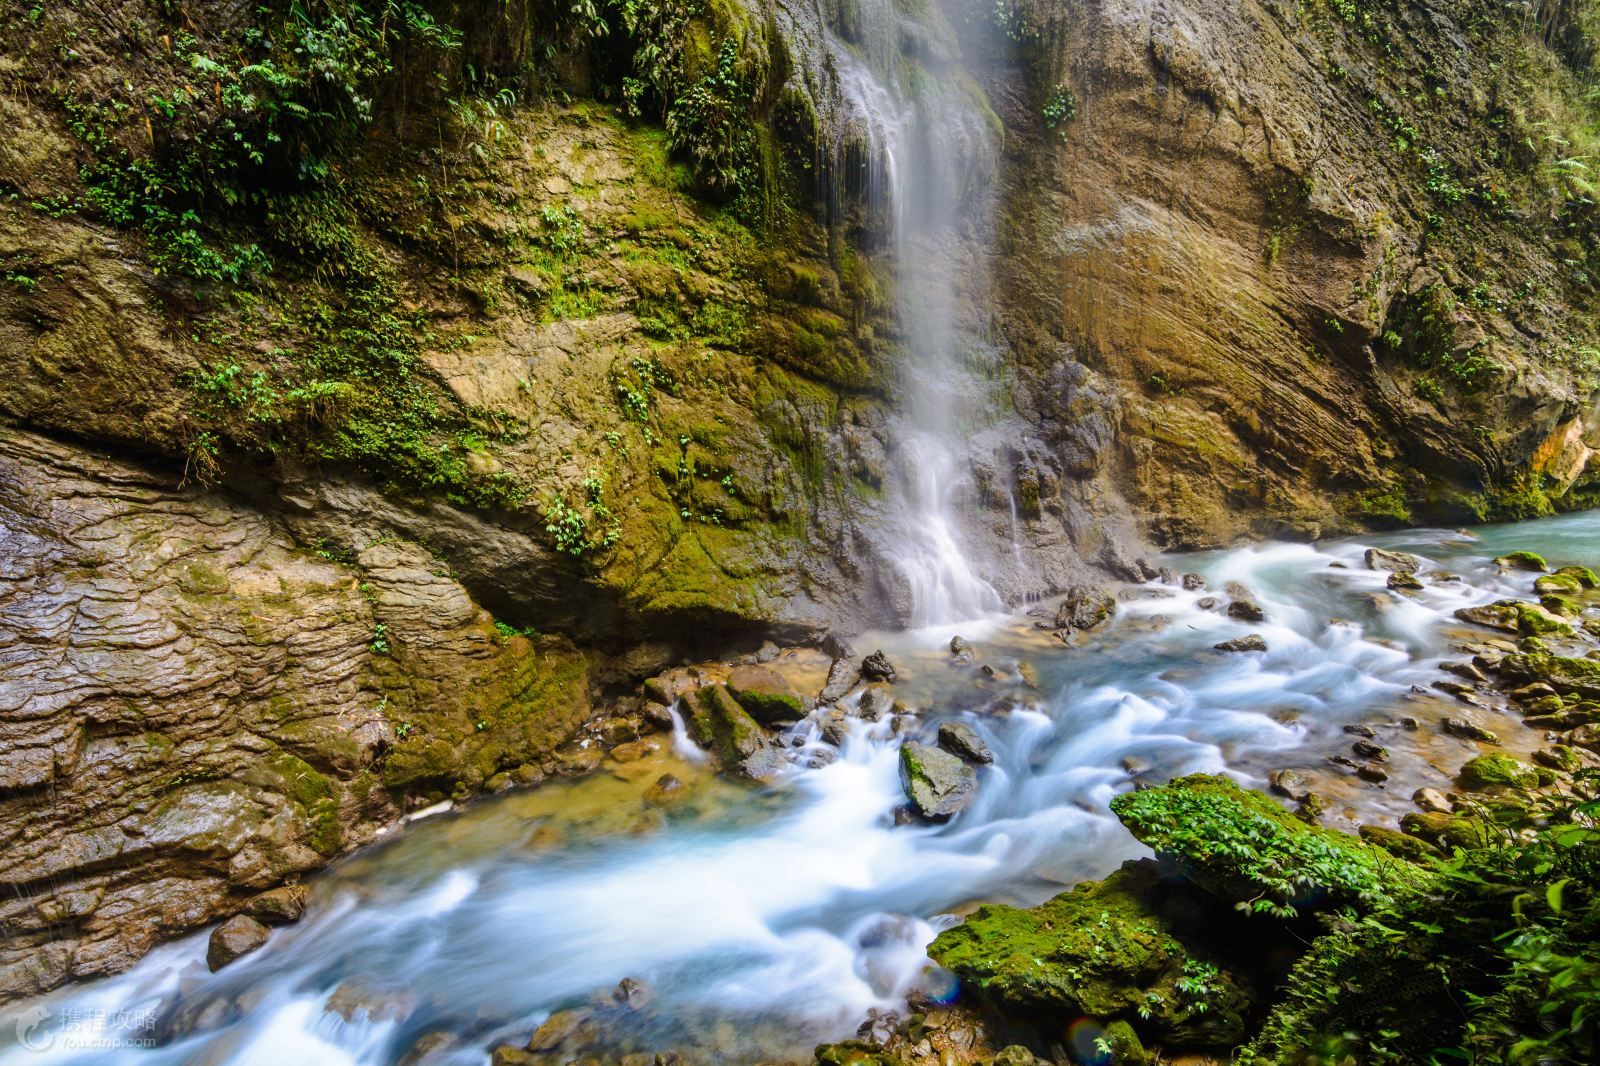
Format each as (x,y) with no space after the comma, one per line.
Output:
(1535,621)
(763,692)
(1497,771)
(718,722)
(1242,846)
(1558,584)
(1523,560)
(1585,577)
(1102,949)
(937,783)
(1565,675)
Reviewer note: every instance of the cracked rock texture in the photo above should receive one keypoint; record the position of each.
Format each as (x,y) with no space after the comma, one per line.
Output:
(193,710)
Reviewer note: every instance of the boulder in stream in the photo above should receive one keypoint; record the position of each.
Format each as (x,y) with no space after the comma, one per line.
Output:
(1085,607)
(764,693)
(1523,560)
(235,937)
(877,667)
(1394,562)
(1106,949)
(963,741)
(1253,642)
(937,783)
(1246,611)
(718,723)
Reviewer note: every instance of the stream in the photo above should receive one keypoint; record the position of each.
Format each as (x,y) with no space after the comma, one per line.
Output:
(762,920)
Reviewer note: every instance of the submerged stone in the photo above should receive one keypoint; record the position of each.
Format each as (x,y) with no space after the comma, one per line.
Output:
(937,783)
(1253,642)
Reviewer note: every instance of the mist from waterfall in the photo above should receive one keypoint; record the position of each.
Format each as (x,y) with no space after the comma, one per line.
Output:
(916,146)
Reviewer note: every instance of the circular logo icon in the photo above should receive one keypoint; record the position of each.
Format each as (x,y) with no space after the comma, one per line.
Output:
(32,1032)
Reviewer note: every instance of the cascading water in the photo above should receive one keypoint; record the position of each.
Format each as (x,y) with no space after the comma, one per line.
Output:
(916,148)
(764,921)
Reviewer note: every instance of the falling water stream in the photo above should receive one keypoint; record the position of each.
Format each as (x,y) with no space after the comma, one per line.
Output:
(765,919)
(926,156)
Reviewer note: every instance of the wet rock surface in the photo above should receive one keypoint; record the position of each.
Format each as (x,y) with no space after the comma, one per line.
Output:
(937,783)
(235,937)
(195,710)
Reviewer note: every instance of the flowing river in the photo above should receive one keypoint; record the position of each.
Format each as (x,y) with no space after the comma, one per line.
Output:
(763,920)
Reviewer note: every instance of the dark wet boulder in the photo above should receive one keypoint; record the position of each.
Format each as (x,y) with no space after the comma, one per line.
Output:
(235,937)
(877,667)
(960,650)
(763,692)
(278,906)
(962,741)
(1394,562)
(1193,582)
(842,677)
(1404,581)
(1246,611)
(721,725)
(937,783)
(1107,949)
(877,703)
(1253,642)
(1085,607)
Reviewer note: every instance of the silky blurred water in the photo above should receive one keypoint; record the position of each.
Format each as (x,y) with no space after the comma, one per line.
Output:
(765,919)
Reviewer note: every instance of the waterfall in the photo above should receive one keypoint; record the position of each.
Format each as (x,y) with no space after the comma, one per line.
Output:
(916,147)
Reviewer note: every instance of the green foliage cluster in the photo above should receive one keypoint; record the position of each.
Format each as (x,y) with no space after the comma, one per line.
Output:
(1493,964)
(711,124)
(587,525)
(1060,108)
(1244,846)
(1423,330)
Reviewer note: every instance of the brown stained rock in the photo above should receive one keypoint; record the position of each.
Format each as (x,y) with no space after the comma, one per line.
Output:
(237,936)
(210,717)
(279,905)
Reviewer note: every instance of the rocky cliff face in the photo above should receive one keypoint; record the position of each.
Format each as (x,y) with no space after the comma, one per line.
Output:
(304,443)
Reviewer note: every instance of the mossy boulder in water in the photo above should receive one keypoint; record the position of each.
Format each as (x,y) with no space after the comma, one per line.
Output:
(1523,560)
(764,693)
(937,783)
(1242,846)
(1497,771)
(1566,676)
(1103,949)
(720,724)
